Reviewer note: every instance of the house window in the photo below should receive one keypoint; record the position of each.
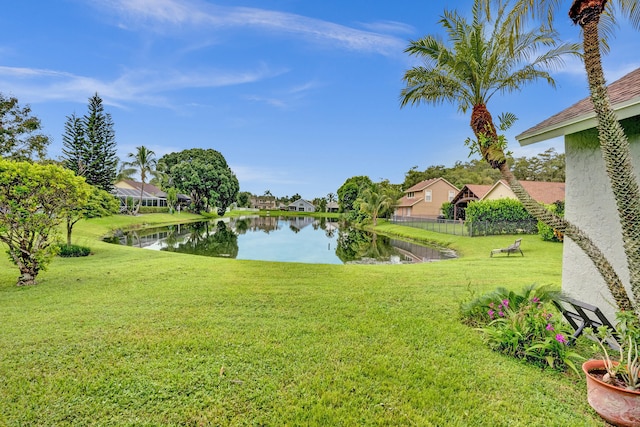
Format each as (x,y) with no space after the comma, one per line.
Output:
(452,194)
(411,195)
(427,196)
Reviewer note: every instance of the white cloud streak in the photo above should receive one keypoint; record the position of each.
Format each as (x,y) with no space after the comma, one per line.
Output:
(139,86)
(189,14)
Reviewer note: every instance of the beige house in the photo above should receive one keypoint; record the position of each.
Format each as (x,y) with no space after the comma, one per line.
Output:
(263,202)
(590,203)
(425,199)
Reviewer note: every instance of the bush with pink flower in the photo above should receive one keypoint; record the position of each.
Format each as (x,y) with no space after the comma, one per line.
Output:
(525,325)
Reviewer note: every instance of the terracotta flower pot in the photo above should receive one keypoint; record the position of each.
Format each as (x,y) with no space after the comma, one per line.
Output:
(619,406)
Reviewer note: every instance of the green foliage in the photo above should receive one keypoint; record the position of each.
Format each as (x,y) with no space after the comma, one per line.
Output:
(143,161)
(19,139)
(243,199)
(626,368)
(70,251)
(548,233)
(99,204)
(172,198)
(375,200)
(89,145)
(474,171)
(349,192)
(448,210)
(502,216)
(204,175)
(547,166)
(524,325)
(34,201)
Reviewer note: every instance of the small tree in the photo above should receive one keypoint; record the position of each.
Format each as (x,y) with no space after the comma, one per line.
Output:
(374,200)
(19,139)
(34,200)
(99,204)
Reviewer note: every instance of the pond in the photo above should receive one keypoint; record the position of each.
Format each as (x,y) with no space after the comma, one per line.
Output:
(285,239)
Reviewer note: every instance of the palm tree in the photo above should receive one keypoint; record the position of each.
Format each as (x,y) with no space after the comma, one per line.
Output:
(492,55)
(145,162)
(124,172)
(591,15)
(374,200)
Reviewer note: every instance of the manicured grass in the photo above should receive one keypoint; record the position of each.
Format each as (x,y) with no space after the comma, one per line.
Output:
(135,337)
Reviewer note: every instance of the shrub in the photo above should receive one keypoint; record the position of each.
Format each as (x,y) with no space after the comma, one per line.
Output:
(68,251)
(448,209)
(524,325)
(502,216)
(547,233)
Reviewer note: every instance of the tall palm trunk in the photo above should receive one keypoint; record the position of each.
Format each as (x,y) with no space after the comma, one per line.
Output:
(485,130)
(613,141)
(141,195)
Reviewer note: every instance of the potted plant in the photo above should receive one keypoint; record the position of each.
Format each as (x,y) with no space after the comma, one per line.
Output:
(613,383)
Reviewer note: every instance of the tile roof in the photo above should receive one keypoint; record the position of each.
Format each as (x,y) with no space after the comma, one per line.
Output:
(623,93)
(542,191)
(479,189)
(421,185)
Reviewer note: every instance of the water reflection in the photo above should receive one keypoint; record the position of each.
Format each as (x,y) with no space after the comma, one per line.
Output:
(293,239)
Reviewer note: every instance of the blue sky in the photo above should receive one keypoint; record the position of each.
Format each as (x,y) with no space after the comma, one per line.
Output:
(298,95)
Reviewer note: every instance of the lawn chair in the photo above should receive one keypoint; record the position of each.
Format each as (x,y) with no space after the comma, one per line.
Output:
(509,250)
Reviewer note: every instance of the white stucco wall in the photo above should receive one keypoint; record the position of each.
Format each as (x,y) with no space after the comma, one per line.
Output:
(591,206)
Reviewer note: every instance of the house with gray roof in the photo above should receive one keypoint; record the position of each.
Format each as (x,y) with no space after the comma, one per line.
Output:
(589,201)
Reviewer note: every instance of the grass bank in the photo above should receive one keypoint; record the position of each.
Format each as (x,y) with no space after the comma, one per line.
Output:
(142,338)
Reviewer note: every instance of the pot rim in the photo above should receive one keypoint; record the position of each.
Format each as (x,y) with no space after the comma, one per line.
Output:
(594,364)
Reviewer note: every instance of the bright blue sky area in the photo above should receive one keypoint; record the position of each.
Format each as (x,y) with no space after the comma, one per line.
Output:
(298,95)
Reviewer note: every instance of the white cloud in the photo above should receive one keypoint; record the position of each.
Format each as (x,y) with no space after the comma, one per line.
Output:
(187,14)
(133,86)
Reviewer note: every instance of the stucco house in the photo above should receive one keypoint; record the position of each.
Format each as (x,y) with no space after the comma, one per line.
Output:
(302,205)
(425,199)
(589,201)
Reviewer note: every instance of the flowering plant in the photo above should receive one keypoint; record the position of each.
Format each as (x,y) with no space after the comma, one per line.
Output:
(626,368)
(525,325)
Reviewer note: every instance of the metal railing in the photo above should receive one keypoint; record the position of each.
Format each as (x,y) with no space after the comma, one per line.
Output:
(438,225)
(465,228)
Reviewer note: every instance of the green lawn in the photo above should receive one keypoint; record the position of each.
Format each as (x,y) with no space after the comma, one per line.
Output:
(142,338)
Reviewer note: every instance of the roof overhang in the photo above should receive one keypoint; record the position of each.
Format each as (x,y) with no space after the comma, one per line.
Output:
(623,111)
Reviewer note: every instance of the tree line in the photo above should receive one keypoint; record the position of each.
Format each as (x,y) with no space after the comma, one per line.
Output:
(547,166)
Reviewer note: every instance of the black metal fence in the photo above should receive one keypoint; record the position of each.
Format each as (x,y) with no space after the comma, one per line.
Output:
(438,225)
(466,228)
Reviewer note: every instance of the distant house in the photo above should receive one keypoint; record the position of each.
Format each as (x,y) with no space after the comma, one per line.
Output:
(332,207)
(541,191)
(263,202)
(425,199)
(468,193)
(590,203)
(151,195)
(302,205)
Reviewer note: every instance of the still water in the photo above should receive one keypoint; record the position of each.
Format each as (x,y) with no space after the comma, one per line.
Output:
(286,239)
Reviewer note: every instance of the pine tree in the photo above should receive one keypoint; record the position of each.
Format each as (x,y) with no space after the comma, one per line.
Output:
(101,143)
(74,146)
